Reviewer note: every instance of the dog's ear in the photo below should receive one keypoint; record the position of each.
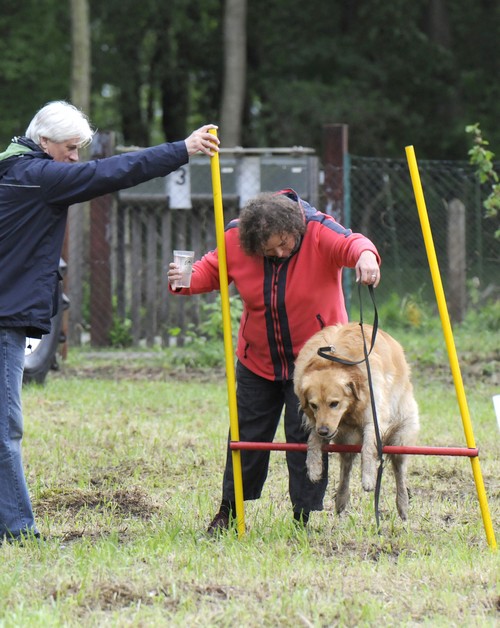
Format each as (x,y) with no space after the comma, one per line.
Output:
(303,402)
(302,393)
(306,418)
(352,387)
(305,410)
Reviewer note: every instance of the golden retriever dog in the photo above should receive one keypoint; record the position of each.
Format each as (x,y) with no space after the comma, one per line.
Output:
(335,400)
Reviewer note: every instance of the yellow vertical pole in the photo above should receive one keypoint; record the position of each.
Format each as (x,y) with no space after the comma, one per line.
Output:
(228,338)
(449,340)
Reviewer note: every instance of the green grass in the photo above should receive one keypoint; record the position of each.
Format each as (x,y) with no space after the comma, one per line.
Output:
(124,461)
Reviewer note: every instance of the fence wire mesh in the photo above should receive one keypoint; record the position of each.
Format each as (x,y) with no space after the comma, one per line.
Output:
(383,208)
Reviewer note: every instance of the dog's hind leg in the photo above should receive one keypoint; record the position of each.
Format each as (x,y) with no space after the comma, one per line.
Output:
(399,463)
(342,496)
(314,459)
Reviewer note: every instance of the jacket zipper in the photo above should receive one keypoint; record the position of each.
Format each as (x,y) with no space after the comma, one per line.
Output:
(276,322)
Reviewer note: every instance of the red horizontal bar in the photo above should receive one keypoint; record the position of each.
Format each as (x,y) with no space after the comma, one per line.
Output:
(388,449)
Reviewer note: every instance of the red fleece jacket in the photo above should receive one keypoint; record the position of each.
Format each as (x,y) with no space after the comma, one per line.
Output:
(285,301)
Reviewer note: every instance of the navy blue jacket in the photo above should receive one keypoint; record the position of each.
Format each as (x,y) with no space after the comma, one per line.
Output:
(35,192)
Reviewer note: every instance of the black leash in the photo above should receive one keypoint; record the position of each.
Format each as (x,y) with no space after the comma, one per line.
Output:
(329,354)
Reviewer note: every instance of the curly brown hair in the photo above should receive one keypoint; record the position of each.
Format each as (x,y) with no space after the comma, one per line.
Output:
(266,215)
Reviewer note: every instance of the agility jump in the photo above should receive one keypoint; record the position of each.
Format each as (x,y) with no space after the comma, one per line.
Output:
(236,445)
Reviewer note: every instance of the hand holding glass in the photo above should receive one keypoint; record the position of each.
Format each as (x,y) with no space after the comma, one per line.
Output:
(184,259)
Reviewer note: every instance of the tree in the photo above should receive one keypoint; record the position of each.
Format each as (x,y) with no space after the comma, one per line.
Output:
(381,68)
(80,97)
(397,72)
(156,66)
(233,94)
(80,54)
(34,60)
(482,158)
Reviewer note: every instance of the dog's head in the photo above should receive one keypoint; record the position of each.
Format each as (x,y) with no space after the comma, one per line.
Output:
(325,397)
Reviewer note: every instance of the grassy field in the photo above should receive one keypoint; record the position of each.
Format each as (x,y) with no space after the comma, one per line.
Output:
(124,460)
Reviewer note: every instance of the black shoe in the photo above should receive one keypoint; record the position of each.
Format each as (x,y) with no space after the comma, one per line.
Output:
(301,518)
(223,519)
(23,539)
(220,523)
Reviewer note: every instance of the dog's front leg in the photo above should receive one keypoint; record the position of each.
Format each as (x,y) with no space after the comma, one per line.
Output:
(368,458)
(314,459)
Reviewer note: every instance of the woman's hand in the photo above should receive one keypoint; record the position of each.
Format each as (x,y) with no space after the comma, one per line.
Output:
(174,273)
(367,269)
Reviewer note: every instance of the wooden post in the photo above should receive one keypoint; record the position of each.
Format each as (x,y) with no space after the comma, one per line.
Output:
(334,161)
(151,274)
(335,148)
(78,214)
(456,260)
(101,310)
(136,274)
(166,257)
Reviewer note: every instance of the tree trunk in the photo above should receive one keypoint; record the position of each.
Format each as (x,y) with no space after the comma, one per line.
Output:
(80,60)
(233,94)
(439,23)
(74,244)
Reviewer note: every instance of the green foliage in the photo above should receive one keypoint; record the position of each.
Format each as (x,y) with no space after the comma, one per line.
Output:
(482,313)
(152,76)
(120,334)
(28,83)
(410,312)
(150,65)
(352,66)
(482,158)
(203,344)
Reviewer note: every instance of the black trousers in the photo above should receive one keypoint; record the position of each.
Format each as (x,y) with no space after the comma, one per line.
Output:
(260,403)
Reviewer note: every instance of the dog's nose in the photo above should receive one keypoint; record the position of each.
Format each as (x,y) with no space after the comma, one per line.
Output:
(323,431)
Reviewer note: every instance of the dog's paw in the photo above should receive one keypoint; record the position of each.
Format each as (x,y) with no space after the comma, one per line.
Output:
(368,472)
(402,503)
(341,501)
(403,514)
(368,482)
(314,464)
(315,472)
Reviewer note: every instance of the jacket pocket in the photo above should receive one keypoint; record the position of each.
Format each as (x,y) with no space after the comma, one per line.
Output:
(246,343)
(320,320)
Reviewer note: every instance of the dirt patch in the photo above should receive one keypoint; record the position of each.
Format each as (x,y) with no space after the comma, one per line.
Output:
(131,501)
(130,366)
(474,368)
(127,370)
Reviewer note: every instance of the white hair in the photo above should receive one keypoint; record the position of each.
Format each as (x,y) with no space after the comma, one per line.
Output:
(60,121)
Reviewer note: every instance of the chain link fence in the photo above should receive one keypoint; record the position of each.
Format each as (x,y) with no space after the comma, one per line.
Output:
(383,207)
(118,285)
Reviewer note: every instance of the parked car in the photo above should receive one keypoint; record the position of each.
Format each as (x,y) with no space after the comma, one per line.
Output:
(41,353)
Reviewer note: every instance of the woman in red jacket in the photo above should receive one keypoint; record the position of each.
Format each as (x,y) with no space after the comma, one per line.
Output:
(285,259)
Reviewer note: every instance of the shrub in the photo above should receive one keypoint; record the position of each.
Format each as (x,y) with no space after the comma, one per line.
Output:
(204,345)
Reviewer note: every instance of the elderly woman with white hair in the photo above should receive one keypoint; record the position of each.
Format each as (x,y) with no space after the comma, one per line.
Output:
(39,178)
